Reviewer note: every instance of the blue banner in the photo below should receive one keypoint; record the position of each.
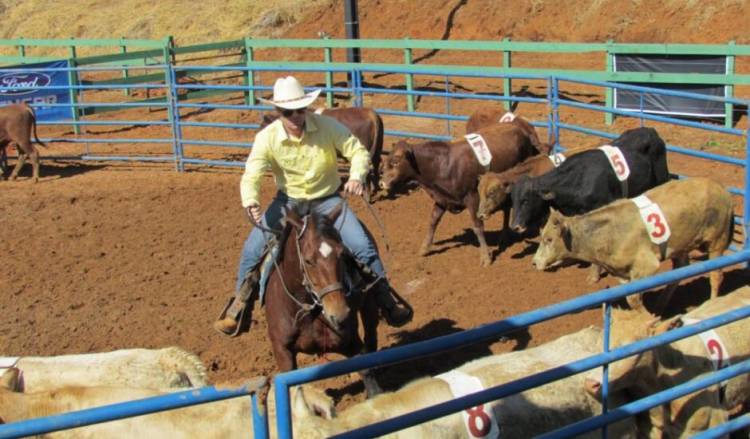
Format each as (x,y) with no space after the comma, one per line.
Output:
(30,83)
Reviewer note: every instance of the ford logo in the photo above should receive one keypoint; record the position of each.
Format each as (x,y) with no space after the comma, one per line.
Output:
(21,83)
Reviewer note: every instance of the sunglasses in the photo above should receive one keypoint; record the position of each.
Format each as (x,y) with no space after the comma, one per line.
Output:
(288,113)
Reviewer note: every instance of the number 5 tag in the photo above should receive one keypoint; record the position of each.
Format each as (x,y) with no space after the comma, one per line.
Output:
(617,161)
(654,219)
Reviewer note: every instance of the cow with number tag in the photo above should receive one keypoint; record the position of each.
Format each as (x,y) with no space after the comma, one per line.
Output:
(527,414)
(449,172)
(593,178)
(669,365)
(630,242)
(495,187)
(489,115)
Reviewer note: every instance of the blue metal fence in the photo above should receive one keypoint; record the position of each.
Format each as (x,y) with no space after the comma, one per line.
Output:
(177,122)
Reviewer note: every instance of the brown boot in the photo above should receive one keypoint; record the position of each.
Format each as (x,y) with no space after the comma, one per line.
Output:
(240,307)
(396,314)
(229,321)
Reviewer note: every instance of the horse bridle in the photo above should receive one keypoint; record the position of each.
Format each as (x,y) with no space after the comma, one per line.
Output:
(317,295)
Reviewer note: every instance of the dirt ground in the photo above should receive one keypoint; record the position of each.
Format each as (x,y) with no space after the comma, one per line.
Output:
(101,256)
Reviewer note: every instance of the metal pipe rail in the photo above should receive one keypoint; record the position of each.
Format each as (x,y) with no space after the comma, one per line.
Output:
(283,381)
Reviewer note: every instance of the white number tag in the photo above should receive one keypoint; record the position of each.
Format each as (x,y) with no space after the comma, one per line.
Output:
(715,348)
(557,158)
(617,161)
(480,420)
(654,219)
(479,146)
(507,118)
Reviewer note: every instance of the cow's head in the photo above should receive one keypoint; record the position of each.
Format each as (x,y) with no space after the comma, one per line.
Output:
(556,242)
(493,192)
(399,167)
(530,204)
(630,326)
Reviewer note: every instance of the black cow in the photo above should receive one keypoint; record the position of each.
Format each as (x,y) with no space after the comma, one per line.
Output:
(587,180)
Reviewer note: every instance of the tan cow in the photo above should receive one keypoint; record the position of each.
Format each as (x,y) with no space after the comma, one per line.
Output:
(16,124)
(669,365)
(229,418)
(523,415)
(695,214)
(162,369)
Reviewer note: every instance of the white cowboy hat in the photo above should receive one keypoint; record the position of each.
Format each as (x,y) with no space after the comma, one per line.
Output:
(288,93)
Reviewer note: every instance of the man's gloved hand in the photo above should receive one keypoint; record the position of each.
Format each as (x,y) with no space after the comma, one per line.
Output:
(354,187)
(254,212)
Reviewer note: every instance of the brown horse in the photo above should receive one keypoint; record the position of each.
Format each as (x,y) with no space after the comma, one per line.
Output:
(307,306)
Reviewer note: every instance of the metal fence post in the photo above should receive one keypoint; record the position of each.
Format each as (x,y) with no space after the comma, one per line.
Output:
(125,72)
(250,74)
(506,80)
(21,50)
(73,80)
(409,79)
(328,57)
(173,101)
(608,93)
(260,418)
(729,90)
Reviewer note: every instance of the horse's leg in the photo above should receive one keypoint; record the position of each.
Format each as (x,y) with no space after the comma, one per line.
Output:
(286,359)
(437,213)
(370,319)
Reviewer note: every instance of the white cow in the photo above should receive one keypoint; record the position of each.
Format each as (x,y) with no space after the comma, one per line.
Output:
(226,419)
(669,365)
(523,415)
(160,369)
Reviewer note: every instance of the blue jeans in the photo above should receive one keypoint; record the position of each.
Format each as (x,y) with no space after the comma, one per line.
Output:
(352,232)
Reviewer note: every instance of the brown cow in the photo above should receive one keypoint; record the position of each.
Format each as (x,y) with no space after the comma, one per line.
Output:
(697,211)
(494,188)
(366,125)
(16,124)
(487,116)
(449,172)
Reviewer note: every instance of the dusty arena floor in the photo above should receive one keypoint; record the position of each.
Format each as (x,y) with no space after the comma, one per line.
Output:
(101,256)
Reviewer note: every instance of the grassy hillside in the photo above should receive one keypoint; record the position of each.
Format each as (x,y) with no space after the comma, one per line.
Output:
(188,20)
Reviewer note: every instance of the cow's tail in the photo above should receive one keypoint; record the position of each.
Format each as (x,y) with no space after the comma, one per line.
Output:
(33,125)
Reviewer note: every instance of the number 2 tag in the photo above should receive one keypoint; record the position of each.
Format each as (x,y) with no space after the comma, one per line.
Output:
(654,219)
(480,420)
(617,161)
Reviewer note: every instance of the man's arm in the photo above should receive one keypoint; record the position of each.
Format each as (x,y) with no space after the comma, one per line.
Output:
(352,149)
(257,163)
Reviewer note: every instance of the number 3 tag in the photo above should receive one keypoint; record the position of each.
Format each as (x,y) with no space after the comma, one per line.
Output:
(480,420)
(654,219)
(617,161)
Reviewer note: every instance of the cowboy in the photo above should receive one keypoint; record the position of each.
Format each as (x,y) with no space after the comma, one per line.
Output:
(300,150)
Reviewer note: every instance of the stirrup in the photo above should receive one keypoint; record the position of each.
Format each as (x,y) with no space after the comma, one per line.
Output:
(240,318)
(398,300)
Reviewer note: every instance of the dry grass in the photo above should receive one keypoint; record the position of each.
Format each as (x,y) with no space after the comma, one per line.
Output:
(188,21)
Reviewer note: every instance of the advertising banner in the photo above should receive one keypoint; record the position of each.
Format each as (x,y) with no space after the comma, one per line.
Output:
(31,83)
(662,104)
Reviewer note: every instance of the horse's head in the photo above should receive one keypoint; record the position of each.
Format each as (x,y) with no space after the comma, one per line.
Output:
(320,250)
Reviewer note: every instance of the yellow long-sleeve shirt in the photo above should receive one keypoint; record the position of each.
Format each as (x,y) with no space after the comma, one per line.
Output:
(303,168)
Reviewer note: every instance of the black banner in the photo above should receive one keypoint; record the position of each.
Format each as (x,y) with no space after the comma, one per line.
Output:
(658,103)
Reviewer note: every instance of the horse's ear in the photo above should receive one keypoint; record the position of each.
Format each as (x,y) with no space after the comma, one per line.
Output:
(291,217)
(334,214)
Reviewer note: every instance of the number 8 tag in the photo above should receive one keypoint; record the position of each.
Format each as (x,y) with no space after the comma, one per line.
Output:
(654,219)
(479,421)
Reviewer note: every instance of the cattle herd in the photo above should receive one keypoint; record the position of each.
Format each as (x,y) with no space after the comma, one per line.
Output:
(613,206)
